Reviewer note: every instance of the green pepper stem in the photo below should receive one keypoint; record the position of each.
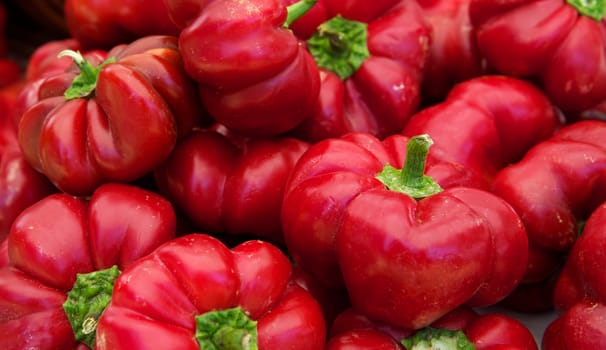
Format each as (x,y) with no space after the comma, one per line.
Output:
(411,179)
(434,338)
(340,45)
(591,8)
(85,83)
(87,300)
(229,329)
(297,10)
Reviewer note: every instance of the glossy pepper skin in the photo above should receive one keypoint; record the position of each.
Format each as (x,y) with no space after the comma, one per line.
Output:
(254,75)
(170,292)
(579,295)
(105,24)
(558,183)
(371,75)
(20,184)
(580,327)
(484,124)
(555,42)
(453,54)
(141,104)
(345,227)
(236,188)
(61,236)
(491,331)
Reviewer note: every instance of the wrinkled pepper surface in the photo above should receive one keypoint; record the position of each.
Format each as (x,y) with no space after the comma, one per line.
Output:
(483,125)
(555,187)
(236,188)
(115,121)
(195,293)
(62,244)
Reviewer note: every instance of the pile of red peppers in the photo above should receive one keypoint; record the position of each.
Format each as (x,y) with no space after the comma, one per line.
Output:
(305,175)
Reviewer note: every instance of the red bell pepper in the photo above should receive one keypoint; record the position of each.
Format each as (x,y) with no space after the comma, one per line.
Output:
(255,77)
(484,124)
(462,328)
(20,184)
(104,24)
(558,183)
(453,54)
(580,292)
(558,43)
(63,241)
(347,211)
(113,122)
(371,57)
(195,293)
(235,189)
(10,72)
(583,326)
(582,277)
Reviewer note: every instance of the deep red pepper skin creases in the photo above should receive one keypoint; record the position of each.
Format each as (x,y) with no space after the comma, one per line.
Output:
(384,92)
(142,104)
(60,236)
(196,273)
(235,189)
(548,40)
(255,77)
(342,225)
(558,182)
(453,55)
(104,24)
(484,124)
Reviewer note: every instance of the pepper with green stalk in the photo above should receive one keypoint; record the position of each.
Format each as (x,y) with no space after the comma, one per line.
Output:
(407,251)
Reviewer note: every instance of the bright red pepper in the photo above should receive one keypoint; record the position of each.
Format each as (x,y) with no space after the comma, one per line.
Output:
(194,292)
(558,43)
(123,122)
(453,54)
(255,76)
(339,218)
(61,236)
(462,326)
(235,189)
(372,56)
(104,24)
(557,183)
(483,125)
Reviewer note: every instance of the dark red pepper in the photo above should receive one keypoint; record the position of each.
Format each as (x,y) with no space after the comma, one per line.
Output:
(195,293)
(462,328)
(113,122)
(453,54)
(558,43)
(105,24)
(62,241)
(556,185)
(236,188)
(372,57)
(255,76)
